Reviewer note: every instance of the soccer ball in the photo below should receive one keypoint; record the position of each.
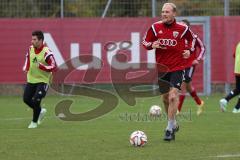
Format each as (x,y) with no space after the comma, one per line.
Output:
(138,138)
(155,110)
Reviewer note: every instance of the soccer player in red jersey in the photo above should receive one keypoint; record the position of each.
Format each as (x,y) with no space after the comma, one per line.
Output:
(39,65)
(193,61)
(168,38)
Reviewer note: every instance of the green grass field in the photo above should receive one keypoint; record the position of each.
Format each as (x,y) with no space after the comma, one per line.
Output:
(213,135)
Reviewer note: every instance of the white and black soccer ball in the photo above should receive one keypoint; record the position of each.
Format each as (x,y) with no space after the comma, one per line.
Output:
(138,139)
(155,110)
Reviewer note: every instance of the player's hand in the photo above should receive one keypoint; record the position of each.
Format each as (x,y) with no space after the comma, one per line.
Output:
(24,70)
(186,54)
(155,45)
(195,62)
(39,64)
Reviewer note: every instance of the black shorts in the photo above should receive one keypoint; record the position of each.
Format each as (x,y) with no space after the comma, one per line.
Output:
(170,79)
(35,90)
(188,74)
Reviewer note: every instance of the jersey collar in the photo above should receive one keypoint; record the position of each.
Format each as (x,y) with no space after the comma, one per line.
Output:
(38,50)
(172,24)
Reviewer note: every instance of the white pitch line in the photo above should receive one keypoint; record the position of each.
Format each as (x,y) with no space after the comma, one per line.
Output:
(226,156)
(14,119)
(22,118)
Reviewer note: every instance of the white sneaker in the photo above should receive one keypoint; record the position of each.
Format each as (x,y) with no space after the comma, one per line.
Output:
(32,125)
(41,115)
(236,110)
(223,104)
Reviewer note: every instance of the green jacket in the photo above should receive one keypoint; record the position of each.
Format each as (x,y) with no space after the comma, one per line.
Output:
(237,60)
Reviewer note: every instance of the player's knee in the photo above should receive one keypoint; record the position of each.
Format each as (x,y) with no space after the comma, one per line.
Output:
(36,101)
(189,89)
(173,96)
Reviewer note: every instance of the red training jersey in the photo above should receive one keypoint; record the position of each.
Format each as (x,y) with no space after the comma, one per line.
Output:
(171,38)
(198,53)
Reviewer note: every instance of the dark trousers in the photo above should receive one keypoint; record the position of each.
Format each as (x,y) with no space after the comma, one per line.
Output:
(237,79)
(33,95)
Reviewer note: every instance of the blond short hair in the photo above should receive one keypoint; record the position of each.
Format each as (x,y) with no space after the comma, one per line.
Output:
(174,7)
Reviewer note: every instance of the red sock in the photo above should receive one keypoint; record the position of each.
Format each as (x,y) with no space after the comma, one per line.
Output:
(195,97)
(181,100)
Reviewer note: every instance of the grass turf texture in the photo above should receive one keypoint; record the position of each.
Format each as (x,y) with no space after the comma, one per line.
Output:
(200,137)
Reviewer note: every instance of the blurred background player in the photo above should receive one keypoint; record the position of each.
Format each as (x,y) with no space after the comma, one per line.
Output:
(39,65)
(223,102)
(194,60)
(168,38)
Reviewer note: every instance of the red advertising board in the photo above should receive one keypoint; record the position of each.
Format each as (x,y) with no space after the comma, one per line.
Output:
(69,38)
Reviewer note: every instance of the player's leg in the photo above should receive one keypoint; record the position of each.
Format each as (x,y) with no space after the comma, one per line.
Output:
(235,91)
(43,110)
(182,95)
(172,108)
(237,106)
(236,109)
(189,87)
(28,94)
(223,102)
(37,98)
(164,87)
(165,101)
(172,97)
(193,93)
(191,90)
(175,81)
(181,100)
